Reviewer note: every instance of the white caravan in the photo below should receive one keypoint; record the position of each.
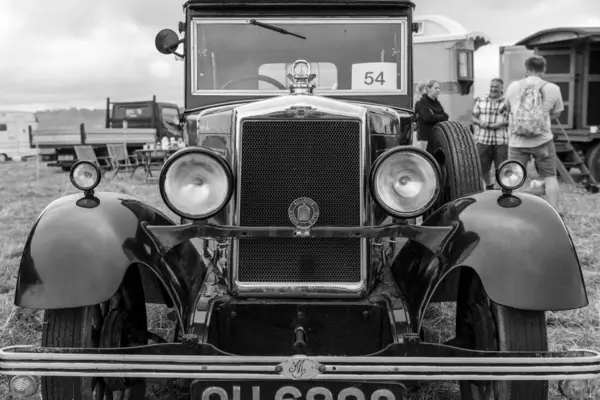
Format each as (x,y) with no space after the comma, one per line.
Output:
(443,50)
(14,135)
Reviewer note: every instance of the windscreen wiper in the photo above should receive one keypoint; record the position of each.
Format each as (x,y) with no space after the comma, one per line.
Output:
(275,28)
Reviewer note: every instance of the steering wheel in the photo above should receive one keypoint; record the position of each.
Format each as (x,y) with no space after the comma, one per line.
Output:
(263,78)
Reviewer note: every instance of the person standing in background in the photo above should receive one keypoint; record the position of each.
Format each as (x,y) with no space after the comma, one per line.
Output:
(420,90)
(429,112)
(532,102)
(490,118)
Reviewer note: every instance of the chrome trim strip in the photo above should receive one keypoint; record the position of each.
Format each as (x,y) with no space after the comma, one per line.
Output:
(226,376)
(402,21)
(295,289)
(559,366)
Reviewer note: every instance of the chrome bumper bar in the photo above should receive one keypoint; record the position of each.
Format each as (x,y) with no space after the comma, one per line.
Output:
(25,360)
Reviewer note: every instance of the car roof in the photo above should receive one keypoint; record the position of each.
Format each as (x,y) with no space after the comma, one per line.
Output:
(320,3)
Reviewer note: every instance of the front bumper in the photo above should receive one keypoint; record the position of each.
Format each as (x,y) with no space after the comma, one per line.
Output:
(397,362)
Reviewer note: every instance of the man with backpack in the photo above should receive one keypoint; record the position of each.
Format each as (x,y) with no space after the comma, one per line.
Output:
(532,103)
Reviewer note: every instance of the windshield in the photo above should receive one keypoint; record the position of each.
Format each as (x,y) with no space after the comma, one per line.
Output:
(234,56)
(170,119)
(170,115)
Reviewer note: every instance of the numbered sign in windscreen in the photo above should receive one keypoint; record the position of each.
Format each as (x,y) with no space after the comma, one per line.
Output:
(375,76)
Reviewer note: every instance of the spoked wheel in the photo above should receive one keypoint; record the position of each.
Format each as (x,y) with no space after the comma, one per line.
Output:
(119,322)
(482,324)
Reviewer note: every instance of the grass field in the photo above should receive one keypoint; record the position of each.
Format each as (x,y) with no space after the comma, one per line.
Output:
(23,197)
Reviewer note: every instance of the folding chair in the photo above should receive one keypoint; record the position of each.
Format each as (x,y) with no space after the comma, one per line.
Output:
(121,160)
(87,153)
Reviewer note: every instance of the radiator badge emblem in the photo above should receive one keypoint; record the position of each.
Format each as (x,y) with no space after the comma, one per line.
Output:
(303,212)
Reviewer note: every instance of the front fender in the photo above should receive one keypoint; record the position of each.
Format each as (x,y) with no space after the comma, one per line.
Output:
(517,244)
(79,250)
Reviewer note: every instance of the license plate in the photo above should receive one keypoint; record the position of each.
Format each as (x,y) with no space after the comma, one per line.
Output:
(65,158)
(295,390)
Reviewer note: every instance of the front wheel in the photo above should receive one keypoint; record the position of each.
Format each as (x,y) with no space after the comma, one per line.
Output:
(119,322)
(484,325)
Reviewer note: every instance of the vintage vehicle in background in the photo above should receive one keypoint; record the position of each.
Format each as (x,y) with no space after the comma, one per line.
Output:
(14,134)
(312,279)
(573,63)
(134,123)
(446,41)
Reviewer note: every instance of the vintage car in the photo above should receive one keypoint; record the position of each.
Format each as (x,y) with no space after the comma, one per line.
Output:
(312,277)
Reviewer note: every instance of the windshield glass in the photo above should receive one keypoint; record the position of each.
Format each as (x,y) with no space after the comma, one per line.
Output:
(170,119)
(170,115)
(347,55)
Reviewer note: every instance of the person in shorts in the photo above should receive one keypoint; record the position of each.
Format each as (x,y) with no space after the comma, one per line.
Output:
(490,119)
(523,113)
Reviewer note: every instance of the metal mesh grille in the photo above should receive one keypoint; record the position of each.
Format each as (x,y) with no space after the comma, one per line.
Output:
(283,160)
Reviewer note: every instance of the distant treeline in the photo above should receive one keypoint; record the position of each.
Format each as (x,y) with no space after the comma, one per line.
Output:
(67,118)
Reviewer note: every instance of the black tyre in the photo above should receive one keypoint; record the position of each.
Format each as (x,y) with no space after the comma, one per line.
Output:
(485,325)
(592,159)
(110,324)
(480,323)
(454,149)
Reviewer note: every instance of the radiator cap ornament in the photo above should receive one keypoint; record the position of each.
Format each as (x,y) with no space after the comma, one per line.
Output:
(304,213)
(301,78)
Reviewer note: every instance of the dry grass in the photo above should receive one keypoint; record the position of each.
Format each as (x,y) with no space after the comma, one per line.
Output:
(22,198)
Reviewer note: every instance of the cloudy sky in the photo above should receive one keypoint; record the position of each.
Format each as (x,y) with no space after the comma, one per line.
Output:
(62,53)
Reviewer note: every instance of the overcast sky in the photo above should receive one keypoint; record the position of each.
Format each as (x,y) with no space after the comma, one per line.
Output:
(61,53)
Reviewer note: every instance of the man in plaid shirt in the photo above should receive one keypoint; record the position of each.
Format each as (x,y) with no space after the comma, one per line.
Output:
(490,117)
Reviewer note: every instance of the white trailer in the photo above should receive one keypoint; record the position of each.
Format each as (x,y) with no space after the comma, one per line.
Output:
(14,135)
(444,50)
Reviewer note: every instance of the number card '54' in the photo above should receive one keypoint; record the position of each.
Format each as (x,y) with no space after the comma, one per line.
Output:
(375,76)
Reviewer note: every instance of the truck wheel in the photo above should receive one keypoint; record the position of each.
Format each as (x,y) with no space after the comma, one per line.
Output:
(110,324)
(486,325)
(454,149)
(593,161)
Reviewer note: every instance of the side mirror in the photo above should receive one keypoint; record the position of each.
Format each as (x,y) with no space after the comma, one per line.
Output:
(167,41)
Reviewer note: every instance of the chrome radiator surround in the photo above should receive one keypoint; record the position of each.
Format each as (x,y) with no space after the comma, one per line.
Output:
(301,289)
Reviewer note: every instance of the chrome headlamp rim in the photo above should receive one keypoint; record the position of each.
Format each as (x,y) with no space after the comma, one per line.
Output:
(501,167)
(405,149)
(74,168)
(196,150)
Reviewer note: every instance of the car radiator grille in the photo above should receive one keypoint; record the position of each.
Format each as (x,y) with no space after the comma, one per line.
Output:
(282,160)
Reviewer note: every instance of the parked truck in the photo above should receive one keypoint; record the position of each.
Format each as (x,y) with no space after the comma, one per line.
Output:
(134,123)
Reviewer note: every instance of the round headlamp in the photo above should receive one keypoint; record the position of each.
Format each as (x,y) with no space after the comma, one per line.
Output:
(511,175)
(196,183)
(85,175)
(405,181)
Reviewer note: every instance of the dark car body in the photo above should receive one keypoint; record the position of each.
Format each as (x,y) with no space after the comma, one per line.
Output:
(283,303)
